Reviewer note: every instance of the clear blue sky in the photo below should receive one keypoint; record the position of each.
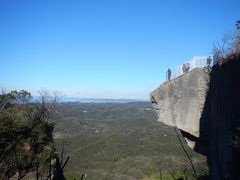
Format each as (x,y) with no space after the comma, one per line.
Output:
(105,48)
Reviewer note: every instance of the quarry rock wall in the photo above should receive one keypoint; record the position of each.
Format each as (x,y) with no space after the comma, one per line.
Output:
(180,102)
(205,106)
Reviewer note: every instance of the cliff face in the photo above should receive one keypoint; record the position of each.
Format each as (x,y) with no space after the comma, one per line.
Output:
(205,106)
(180,102)
(221,121)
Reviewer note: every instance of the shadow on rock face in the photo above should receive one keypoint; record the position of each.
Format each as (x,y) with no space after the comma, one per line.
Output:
(220,120)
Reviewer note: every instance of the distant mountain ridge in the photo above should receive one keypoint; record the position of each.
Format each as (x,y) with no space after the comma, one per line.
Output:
(96,100)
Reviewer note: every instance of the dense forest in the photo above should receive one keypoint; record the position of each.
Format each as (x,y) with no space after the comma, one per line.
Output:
(42,139)
(121,141)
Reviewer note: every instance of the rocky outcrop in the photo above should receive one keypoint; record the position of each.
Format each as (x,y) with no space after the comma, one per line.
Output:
(220,122)
(205,106)
(180,102)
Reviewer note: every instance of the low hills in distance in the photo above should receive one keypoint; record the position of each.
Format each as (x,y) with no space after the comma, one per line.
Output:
(100,100)
(96,100)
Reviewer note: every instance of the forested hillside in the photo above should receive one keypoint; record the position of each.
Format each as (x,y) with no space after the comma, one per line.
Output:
(120,141)
(26,144)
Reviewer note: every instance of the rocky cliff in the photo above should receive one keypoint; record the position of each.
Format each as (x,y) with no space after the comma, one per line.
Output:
(180,102)
(205,106)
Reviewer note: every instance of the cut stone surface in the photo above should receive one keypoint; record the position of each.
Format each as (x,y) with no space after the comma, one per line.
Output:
(180,102)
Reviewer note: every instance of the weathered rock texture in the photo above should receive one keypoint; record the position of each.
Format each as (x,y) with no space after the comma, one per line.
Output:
(220,121)
(207,113)
(180,102)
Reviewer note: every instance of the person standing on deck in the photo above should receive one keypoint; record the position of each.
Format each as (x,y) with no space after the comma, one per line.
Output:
(209,62)
(168,74)
(187,67)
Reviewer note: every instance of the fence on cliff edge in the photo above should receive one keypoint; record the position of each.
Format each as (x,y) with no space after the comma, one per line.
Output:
(195,62)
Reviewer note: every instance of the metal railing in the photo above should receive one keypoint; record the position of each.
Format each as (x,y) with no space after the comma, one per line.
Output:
(195,62)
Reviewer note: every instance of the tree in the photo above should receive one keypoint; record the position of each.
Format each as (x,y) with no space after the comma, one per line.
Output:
(26,142)
(229,46)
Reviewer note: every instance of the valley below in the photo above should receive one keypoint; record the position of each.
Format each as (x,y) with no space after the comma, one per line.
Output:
(120,141)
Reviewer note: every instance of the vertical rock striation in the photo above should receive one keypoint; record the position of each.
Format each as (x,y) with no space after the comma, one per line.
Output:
(221,121)
(205,106)
(180,102)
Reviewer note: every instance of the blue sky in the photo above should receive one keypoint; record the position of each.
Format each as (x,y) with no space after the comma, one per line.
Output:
(105,48)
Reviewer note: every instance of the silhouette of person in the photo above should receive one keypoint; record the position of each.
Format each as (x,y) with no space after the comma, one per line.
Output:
(169,72)
(209,61)
(187,67)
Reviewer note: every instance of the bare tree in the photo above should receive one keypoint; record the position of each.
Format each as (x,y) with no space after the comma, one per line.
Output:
(223,47)
(228,46)
(189,157)
(26,136)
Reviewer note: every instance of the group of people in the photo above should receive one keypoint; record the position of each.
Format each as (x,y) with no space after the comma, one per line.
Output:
(186,68)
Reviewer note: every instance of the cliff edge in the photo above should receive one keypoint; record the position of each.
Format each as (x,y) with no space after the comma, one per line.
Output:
(205,106)
(180,102)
